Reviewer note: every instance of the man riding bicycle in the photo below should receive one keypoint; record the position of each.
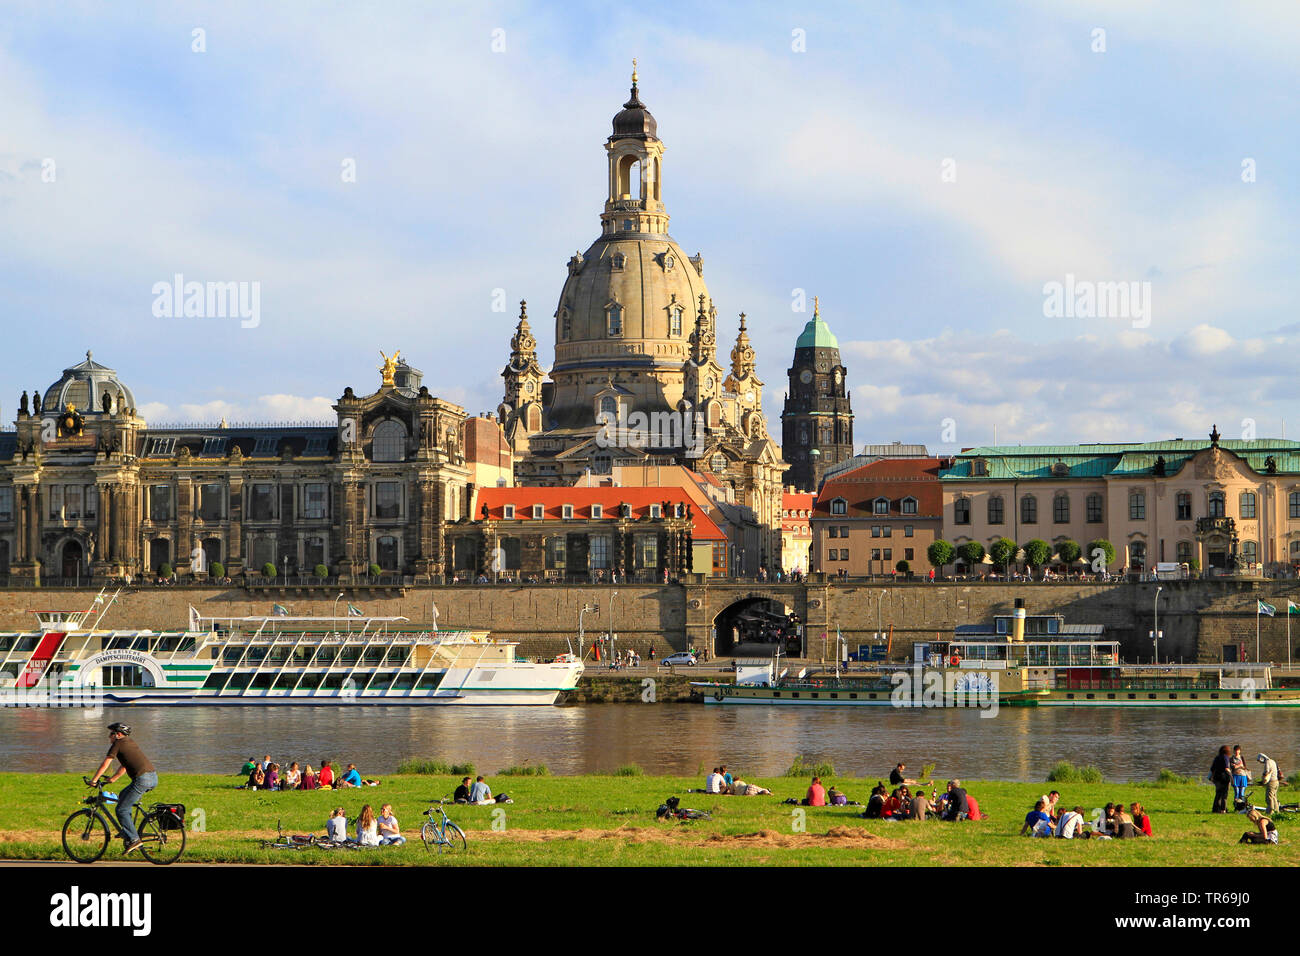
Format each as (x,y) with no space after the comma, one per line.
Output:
(143,778)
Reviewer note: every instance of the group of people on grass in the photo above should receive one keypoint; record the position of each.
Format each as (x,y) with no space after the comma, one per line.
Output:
(721,781)
(1230,769)
(267,775)
(477,793)
(1115,822)
(381,830)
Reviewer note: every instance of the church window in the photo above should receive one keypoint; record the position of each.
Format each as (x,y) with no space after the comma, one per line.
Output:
(1092,508)
(615,319)
(803,436)
(961,511)
(1183,506)
(1137,506)
(1250,552)
(602,465)
(389,442)
(1185,551)
(609,407)
(1061,509)
(160,503)
(719,463)
(56,501)
(1029,510)
(617,261)
(675,322)
(388,499)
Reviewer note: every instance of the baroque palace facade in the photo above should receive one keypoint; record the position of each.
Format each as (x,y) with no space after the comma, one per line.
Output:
(636,381)
(87,488)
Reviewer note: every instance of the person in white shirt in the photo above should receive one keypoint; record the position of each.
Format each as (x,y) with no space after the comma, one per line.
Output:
(336,827)
(367,827)
(390,833)
(1071,824)
(715,782)
(1270,781)
(480,792)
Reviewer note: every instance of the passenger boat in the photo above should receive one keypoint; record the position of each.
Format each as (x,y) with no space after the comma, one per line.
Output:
(275,659)
(1018,661)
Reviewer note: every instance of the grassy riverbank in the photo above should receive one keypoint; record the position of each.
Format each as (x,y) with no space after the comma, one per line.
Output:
(610,820)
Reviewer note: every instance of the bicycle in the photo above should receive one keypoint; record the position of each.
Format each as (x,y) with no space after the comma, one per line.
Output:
(443,834)
(86,832)
(1246,804)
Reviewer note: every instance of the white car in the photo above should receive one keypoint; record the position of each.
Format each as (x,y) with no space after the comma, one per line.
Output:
(681,657)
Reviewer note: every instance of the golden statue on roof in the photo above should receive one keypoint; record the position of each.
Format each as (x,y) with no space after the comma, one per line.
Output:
(389,367)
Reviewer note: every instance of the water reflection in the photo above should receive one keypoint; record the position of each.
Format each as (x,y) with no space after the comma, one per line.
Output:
(1018,744)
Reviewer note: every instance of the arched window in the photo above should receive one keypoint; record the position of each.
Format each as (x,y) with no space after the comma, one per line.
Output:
(1217,504)
(615,319)
(675,321)
(388,442)
(1250,552)
(1028,510)
(609,408)
(880,506)
(961,511)
(718,463)
(995,509)
(909,506)
(1137,506)
(1247,504)
(1061,509)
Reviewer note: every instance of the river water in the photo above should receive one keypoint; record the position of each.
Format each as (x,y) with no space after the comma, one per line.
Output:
(686,739)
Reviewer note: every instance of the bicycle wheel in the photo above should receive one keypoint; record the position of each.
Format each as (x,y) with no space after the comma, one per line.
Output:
(85,836)
(452,838)
(429,835)
(160,846)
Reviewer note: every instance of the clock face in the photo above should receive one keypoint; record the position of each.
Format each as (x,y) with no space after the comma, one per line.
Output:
(805,376)
(837,376)
(749,396)
(529,388)
(708,382)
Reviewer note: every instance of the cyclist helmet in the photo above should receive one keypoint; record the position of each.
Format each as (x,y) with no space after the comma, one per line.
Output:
(120,728)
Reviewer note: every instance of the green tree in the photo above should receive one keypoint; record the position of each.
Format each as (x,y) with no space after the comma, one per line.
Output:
(1068,551)
(1107,550)
(1037,553)
(376,570)
(940,553)
(972,552)
(321,571)
(269,571)
(1003,552)
(165,570)
(902,567)
(216,569)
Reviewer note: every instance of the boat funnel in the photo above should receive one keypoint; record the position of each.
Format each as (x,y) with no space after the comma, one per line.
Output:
(1018,622)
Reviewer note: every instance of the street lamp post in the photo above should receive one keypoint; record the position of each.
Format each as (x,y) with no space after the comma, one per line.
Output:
(335,613)
(611,624)
(880,629)
(1155,621)
(582,640)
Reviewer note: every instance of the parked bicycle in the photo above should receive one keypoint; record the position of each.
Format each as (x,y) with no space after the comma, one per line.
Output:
(86,832)
(1246,804)
(295,841)
(441,833)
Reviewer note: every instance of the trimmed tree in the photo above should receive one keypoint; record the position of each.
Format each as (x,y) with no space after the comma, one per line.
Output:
(1003,552)
(1068,551)
(1107,551)
(216,570)
(972,552)
(376,570)
(940,553)
(269,571)
(1037,553)
(321,571)
(902,567)
(165,569)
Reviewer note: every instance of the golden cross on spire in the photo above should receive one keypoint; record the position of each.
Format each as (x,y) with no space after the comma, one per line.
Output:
(634,71)
(816,308)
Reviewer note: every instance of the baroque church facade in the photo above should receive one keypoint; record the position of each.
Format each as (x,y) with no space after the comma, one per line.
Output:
(636,379)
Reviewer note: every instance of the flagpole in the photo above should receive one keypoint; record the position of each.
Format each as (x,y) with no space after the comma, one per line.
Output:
(1258,608)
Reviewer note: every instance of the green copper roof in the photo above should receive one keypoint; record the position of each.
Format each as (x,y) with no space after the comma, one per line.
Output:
(1099,461)
(816,334)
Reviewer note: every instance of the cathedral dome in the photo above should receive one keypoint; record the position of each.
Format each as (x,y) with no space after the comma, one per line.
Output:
(816,334)
(86,385)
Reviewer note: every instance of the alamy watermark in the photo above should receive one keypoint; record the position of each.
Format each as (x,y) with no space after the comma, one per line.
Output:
(928,687)
(179,299)
(659,430)
(1084,299)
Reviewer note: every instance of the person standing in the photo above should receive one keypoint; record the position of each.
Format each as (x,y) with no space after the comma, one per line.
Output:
(1270,781)
(143,778)
(1221,778)
(1240,775)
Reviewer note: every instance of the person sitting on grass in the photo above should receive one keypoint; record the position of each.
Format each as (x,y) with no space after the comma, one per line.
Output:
(480,793)
(336,827)
(714,782)
(273,777)
(816,794)
(367,827)
(920,806)
(308,779)
(256,779)
(1071,824)
(1123,823)
(292,777)
(728,781)
(1264,832)
(897,777)
(1141,822)
(835,797)
(893,804)
(957,806)
(1037,822)
(974,812)
(351,777)
(247,769)
(390,833)
(326,778)
(462,792)
(875,803)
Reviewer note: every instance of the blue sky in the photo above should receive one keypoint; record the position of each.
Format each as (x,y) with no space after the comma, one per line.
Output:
(815,169)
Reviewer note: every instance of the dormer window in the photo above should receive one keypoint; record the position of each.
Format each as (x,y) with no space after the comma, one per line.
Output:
(617,261)
(566,511)
(1060,470)
(656,511)
(880,506)
(597,511)
(508,512)
(979,468)
(162,447)
(679,510)
(839,506)
(538,511)
(909,506)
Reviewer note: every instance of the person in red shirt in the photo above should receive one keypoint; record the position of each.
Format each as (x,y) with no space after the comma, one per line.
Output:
(816,794)
(974,809)
(892,805)
(1141,821)
(326,777)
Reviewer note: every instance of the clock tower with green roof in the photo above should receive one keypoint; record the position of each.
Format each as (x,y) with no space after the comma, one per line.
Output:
(817,420)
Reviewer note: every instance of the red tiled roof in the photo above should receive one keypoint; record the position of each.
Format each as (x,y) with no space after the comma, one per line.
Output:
(553,500)
(796,502)
(892,478)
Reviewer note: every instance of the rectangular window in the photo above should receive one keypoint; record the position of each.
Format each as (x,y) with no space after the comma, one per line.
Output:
(907,554)
(656,511)
(213,448)
(1061,509)
(1247,504)
(907,531)
(313,553)
(995,510)
(265,447)
(261,502)
(1093,509)
(6,504)
(1137,507)
(555,553)
(599,554)
(567,511)
(647,551)
(72,502)
(55,494)
(508,511)
(833,531)
(875,554)
(875,531)
(889,554)
(844,554)
(887,531)
(597,511)
(210,504)
(844,531)
(314,497)
(1184,506)
(720,558)
(92,501)
(160,503)
(388,499)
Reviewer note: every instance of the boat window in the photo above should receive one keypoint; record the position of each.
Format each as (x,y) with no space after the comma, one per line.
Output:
(261,682)
(286,681)
(239,681)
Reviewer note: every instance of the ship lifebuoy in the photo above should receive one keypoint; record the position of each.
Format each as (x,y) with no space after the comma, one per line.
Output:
(955,660)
